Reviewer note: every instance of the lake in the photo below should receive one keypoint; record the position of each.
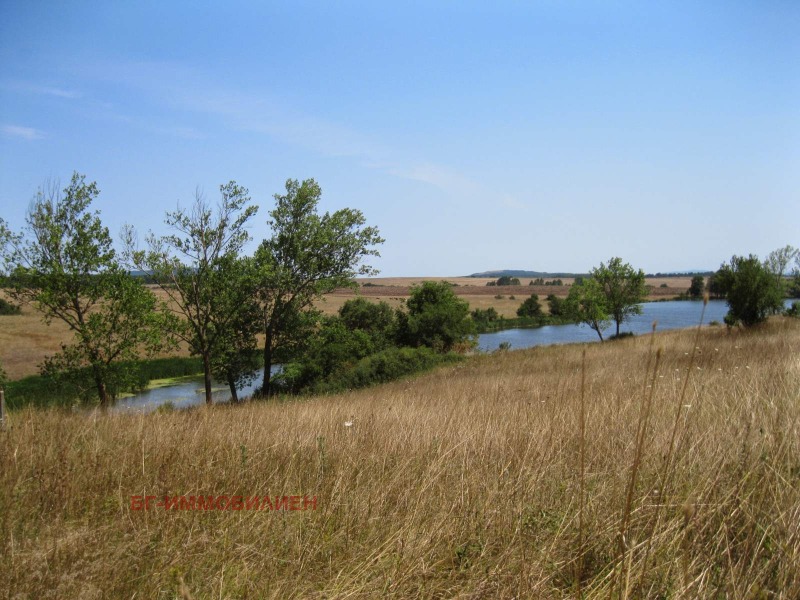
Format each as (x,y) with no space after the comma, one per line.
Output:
(670,315)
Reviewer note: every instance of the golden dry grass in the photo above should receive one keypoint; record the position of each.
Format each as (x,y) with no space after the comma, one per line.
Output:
(463,483)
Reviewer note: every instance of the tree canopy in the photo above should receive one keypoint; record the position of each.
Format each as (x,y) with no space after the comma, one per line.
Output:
(307,255)
(197,269)
(66,266)
(751,290)
(530,307)
(623,289)
(586,303)
(436,318)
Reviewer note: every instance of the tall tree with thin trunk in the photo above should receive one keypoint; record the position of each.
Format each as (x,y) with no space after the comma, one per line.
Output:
(307,255)
(195,269)
(64,264)
(778,261)
(586,303)
(623,287)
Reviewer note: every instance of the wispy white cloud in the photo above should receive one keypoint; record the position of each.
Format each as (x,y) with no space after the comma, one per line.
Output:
(41,90)
(189,90)
(25,133)
(444,178)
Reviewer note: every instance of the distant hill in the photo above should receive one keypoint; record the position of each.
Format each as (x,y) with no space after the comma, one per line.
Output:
(521,273)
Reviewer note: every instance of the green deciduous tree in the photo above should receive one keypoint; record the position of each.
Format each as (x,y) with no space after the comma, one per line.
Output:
(307,255)
(556,305)
(623,288)
(697,287)
(752,291)
(778,263)
(436,318)
(65,265)
(234,359)
(197,268)
(530,307)
(586,303)
(377,319)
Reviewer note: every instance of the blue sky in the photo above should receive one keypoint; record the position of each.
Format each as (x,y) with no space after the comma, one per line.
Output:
(544,135)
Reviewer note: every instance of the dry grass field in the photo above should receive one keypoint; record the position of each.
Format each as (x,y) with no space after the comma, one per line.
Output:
(663,466)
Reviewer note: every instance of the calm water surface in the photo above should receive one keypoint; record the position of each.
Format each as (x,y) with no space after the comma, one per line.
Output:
(670,315)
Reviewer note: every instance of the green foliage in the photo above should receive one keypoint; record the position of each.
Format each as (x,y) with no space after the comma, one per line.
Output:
(623,289)
(234,359)
(586,303)
(384,366)
(663,285)
(752,292)
(488,315)
(361,329)
(307,255)
(41,390)
(778,262)
(7,308)
(197,267)
(537,281)
(377,319)
(436,318)
(507,280)
(66,266)
(697,287)
(793,310)
(556,305)
(530,307)
(3,377)
(715,287)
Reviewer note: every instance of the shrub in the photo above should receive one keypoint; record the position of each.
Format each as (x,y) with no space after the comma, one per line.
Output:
(697,287)
(384,366)
(556,305)
(6,308)
(751,290)
(436,318)
(508,280)
(484,315)
(530,308)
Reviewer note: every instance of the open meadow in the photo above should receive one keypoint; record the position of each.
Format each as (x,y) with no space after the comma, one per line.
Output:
(663,466)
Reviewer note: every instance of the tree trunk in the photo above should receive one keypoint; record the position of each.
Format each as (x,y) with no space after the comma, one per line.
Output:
(617,328)
(207,378)
(267,363)
(232,385)
(596,327)
(102,391)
